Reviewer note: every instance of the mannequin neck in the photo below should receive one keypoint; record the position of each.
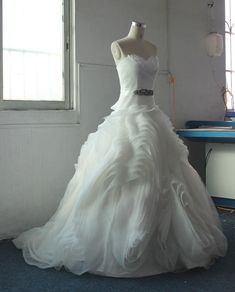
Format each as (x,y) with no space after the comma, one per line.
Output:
(136,32)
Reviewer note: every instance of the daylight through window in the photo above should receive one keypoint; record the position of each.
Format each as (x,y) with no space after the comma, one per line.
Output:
(230,48)
(35,45)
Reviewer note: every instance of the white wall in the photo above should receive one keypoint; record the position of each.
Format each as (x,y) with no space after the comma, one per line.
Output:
(199,78)
(197,75)
(36,162)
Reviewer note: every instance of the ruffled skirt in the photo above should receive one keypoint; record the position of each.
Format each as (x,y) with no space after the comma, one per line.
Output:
(134,207)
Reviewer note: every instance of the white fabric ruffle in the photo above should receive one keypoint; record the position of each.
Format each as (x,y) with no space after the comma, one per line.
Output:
(135,206)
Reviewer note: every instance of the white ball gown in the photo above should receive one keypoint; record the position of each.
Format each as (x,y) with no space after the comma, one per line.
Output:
(135,206)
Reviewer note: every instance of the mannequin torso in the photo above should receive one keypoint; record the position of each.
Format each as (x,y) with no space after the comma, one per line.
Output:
(133,44)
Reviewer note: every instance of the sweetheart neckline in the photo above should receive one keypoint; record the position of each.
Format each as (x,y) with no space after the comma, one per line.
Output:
(134,57)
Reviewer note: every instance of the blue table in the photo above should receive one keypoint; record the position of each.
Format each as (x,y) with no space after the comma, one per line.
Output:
(209,131)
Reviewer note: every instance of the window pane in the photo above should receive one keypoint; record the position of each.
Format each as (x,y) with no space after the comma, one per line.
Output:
(228,81)
(232,11)
(229,101)
(33,50)
(227,11)
(232,50)
(228,51)
(233,83)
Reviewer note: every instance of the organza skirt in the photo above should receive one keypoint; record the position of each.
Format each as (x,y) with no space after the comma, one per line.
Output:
(134,207)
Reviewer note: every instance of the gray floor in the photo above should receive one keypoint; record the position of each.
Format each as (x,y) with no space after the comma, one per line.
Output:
(16,275)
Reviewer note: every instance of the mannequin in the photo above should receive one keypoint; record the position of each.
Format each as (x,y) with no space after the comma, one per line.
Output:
(133,44)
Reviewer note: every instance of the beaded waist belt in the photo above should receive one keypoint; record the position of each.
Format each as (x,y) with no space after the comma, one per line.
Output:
(146,92)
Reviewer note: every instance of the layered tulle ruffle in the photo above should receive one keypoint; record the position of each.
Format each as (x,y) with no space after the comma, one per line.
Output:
(134,206)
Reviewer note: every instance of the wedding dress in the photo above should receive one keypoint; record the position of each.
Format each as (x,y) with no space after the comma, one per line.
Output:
(135,206)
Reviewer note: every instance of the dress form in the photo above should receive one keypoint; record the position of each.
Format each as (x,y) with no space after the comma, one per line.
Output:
(133,44)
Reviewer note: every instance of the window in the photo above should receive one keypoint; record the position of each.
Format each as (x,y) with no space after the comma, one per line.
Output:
(229,52)
(37,54)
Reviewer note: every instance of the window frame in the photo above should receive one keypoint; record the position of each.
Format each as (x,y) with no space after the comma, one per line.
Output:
(69,101)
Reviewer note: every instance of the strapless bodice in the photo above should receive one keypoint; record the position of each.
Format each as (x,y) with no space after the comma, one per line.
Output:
(136,73)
